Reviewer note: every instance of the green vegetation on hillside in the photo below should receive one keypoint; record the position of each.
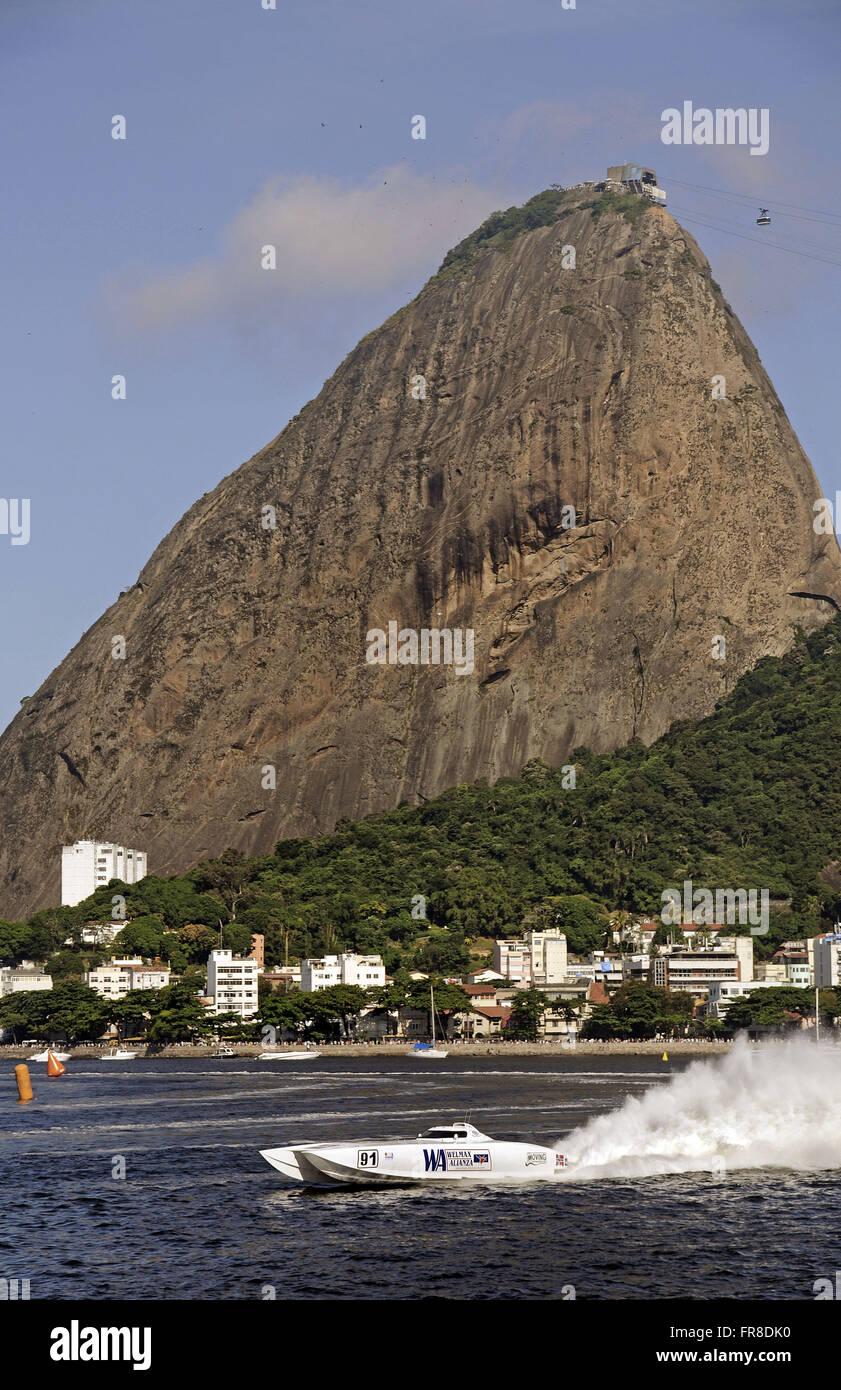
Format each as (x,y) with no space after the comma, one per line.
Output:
(499,231)
(746,798)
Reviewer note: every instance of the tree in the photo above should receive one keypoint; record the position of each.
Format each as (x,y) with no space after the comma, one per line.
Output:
(196,942)
(342,1002)
(77,1012)
(602,1023)
(141,937)
(177,1015)
(71,963)
(228,876)
(24,1014)
(290,1011)
(131,1013)
(644,1009)
(582,921)
(769,1008)
(69,1010)
(527,1014)
(237,938)
(449,999)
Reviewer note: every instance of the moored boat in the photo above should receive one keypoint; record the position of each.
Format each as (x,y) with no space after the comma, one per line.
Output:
(445,1153)
(290,1056)
(421,1049)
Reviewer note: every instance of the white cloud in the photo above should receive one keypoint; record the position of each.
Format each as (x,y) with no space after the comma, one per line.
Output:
(331,240)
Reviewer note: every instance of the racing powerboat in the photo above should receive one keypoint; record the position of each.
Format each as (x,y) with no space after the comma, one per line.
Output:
(446,1153)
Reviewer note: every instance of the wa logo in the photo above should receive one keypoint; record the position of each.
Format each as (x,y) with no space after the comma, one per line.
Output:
(434,1159)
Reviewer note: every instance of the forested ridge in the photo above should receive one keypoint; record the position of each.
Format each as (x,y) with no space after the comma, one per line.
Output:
(749,797)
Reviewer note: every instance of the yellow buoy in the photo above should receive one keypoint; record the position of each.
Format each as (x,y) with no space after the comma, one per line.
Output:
(24,1084)
(665,1056)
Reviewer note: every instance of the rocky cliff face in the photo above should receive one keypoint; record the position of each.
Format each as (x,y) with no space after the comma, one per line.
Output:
(546,388)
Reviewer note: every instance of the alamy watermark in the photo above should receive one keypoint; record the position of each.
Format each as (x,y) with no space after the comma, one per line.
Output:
(733,906)
(827,519)
(14,519)
(723,126)
(825,1287)
(432,646)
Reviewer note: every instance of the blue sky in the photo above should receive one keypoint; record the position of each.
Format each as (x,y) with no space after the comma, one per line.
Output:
(246,126)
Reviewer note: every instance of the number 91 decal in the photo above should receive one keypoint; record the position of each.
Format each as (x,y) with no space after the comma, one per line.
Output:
(367,1158)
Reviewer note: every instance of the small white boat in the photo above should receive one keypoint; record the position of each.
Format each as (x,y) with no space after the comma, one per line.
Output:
(45,1056)
(223,1052)
(291,1056)
(429,1049)
(446,1153)
(118,1056)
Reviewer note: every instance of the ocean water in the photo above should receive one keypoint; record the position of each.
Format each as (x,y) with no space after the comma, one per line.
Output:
(714,1179)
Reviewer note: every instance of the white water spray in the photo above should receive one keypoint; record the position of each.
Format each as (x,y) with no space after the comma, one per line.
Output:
(778,1105)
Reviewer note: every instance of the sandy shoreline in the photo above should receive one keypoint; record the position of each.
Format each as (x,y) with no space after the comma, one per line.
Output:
(679,1047)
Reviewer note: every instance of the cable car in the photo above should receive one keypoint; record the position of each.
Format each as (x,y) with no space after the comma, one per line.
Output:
(763,220)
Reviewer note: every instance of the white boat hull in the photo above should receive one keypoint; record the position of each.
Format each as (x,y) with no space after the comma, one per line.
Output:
(288,1056)
(45,1056)
(475,1157)
(118,1057)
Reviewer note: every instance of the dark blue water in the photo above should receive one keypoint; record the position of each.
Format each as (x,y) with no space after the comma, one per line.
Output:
(199,1214)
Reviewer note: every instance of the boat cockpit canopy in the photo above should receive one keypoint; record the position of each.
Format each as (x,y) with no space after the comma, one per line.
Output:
(455,1131)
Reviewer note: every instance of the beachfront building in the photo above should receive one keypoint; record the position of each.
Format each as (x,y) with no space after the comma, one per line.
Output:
(537,958)
(722,992)
(483,1021)
(695,971)
(548,957)
(562,1024)
(828,960)
(283,977)
(114,978)
(345,969)
(597,969)
(23,978)
(91,864)
(232,984)
(512,960)
(697,968)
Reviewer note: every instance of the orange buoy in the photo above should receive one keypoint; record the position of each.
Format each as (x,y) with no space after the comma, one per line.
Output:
(54,1066)
(24,1084)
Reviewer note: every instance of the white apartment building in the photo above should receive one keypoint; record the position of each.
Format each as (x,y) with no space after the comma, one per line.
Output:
(548,957)
(18,979)
(113,979)
(799,973)
(698,969)
(722,992)
(512,960)
(538,958)
(90,864)
(345,969)
(636,967)
(598,970)
(695,971)
(827,961)
(232,984)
